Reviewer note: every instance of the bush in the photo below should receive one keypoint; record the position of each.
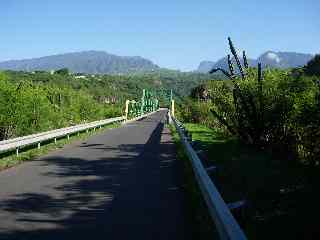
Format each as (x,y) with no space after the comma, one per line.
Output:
(276,109)
(313,66)
(27,108)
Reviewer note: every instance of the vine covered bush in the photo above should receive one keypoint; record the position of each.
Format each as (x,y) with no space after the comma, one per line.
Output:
(27,107)
(272,109)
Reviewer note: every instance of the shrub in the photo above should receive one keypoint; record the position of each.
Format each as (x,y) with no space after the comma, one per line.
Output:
(313,66)
(27,108)
(267,109)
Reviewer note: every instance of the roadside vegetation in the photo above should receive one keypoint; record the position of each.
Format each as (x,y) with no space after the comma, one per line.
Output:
(261,128)
(197,215)
(115,88)
(28,107)
(37,101)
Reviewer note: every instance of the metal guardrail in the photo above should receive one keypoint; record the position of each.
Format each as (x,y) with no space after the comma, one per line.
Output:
(20,142)
(142,116)
(227,227)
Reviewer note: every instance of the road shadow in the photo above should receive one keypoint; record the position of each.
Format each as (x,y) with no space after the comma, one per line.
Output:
(135,194)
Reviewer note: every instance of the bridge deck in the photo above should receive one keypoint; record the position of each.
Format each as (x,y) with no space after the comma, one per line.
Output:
(121,184)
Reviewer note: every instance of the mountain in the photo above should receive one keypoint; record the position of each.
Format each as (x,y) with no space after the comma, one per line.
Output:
(205,66)
(94,62)
(284,59)
(268,59)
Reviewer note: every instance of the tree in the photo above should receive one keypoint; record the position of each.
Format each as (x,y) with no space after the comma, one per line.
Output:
(313,66)
(62,71)
(200,92)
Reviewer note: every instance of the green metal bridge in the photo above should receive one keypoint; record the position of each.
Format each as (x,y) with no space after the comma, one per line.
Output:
(149,102)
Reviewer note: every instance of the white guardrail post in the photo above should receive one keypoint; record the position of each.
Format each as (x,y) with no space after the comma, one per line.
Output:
(227,227)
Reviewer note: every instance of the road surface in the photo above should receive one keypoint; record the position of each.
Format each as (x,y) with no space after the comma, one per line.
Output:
(124,183)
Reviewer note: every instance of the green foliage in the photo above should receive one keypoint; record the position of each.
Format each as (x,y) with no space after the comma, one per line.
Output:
(276,110)
(313,66)
(27,107)
(279,198)
(62,71)
(119,88)
(200,92)
(281,116)
(33,102)
(197,112)
(197,212)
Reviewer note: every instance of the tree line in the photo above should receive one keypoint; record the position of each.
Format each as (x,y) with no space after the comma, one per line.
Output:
(28,107)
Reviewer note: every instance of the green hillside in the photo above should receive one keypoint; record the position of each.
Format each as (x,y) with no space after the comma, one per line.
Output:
(38,101)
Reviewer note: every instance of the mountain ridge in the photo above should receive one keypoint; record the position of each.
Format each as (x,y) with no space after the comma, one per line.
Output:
(91,61)
(269,58)
(102,62)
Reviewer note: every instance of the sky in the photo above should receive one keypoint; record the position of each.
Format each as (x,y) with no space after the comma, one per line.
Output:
(176,34)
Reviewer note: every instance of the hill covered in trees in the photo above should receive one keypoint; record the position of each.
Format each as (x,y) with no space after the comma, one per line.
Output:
(118,87)
(94,62)
(37,101)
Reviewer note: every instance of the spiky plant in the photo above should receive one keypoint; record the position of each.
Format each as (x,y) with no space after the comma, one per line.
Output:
(248,122)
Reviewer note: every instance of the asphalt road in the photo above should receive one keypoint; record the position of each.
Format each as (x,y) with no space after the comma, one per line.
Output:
(124,183)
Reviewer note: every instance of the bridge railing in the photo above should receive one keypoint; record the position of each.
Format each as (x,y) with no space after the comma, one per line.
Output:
(226,225)
(21,142)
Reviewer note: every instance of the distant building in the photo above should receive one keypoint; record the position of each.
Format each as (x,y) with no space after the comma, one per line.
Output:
(80,76)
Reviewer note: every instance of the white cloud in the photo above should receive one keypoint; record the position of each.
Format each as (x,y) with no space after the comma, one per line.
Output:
(273,56)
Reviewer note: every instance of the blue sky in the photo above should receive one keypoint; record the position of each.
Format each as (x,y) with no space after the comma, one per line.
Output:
(173,33)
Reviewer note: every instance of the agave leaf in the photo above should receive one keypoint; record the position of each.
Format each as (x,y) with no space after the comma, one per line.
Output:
(221,70)
(235,55)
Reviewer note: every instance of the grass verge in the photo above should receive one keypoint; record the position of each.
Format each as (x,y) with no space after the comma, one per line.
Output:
(199,220)
(9,159)
(282,200)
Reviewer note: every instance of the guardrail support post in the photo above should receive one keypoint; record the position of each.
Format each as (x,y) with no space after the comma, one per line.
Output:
(127,109)
(39,145)
(172,108)
(17,151)
(55,140)
(68,136)
(169,117)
